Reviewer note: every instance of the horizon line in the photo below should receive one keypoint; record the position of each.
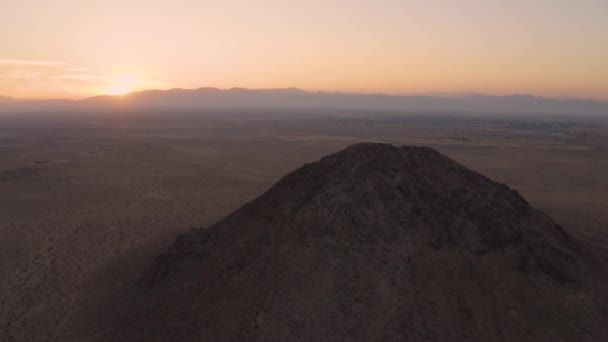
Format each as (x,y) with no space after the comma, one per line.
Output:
(425,94)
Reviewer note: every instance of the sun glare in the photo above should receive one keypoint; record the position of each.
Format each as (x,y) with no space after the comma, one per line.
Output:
(121,85)
(119,89)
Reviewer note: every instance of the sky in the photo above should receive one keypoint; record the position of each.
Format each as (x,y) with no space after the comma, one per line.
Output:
(80,48)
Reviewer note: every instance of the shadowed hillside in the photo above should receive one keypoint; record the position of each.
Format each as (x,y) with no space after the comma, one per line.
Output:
(372,243)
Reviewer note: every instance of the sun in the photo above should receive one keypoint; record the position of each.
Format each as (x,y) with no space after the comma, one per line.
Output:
(119,89)
(121,85)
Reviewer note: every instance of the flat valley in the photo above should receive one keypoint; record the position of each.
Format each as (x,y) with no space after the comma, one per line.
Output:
(87,201)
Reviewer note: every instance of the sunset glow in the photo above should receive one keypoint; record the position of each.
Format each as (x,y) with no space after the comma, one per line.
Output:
(118,90)
(121,85)
(73,48)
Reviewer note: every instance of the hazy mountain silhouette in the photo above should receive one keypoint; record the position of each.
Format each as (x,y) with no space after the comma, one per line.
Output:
(4,99)
(239,98)
(372,243)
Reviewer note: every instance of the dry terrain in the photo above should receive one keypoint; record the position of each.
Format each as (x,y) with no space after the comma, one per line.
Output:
(87,201)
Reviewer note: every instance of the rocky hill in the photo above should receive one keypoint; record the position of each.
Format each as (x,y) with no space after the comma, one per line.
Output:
(375,242)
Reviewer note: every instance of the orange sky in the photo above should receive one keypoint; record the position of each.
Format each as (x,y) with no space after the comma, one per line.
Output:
(78,48)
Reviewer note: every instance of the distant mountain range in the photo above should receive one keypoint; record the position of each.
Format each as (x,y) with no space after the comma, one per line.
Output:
(291,98)
(4,99)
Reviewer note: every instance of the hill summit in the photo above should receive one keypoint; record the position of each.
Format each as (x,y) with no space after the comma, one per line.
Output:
(375,242)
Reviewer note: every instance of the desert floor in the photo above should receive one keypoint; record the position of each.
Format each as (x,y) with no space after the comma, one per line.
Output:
(87,201)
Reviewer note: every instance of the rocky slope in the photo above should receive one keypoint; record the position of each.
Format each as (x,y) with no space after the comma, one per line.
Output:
(378,243)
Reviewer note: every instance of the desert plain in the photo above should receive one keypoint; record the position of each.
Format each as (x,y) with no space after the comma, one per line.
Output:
(88,200)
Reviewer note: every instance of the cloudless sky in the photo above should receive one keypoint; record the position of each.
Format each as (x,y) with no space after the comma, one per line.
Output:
(78,48)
